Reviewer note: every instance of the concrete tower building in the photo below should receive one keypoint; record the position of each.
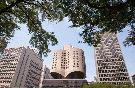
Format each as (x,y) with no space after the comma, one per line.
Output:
(20,68)
(68,69)
(68,63)
(110,64)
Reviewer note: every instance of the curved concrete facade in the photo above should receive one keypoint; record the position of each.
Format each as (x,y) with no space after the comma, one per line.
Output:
(69,63)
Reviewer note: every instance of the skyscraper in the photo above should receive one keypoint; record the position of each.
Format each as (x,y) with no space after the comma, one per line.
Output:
(68,63)
(20,68)
(110,64)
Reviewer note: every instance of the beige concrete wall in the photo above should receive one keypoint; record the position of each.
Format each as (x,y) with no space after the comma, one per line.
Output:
(56,64)
(76,61)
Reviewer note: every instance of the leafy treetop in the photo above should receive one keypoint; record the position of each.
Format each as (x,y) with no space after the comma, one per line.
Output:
(106,85)
(29,12)
(94,16)
(99,16)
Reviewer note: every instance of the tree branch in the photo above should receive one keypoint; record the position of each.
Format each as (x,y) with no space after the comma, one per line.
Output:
(30,3)
(97,6)
(10,6)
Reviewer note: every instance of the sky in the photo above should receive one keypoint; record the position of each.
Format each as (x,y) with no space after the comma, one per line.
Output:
(68,35)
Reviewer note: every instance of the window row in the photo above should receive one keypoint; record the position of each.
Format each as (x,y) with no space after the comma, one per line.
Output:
(3,67)
(6,77)
(114,75)
(7,70)
(8,60)
(5,81)
(115,79)
(112,71)
(6,73)
(8,64)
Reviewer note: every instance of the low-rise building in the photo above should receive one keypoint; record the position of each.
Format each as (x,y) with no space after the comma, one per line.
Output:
(63,83)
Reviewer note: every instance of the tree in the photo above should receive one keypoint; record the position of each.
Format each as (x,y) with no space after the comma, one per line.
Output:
(94,16)
(29,12)
(106,85)
(99,16)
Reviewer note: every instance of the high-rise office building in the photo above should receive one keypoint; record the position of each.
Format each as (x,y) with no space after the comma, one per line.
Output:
(133,79)
(110,64)
(20,68)
(68,63)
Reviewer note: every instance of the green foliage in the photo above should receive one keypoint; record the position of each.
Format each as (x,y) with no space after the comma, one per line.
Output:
(3,45)
(99,16)
(29,12)
(106,85)
(94,16)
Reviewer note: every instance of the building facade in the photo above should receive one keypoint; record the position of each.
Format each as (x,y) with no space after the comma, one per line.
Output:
(20,68)
(133,79)
(110,64)
(68,63)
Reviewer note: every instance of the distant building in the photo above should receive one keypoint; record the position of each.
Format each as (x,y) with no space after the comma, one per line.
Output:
(63,83)
(20,68)
(68,63)
(110,64)
(133,79)
(95,79)
(45,75)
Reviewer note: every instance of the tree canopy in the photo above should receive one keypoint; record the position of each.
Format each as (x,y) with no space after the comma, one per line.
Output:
(106,85)
(29,12)
(94,16)
(99,16)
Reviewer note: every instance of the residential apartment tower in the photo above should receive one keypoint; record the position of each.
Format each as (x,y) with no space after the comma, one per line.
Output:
(20,68)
